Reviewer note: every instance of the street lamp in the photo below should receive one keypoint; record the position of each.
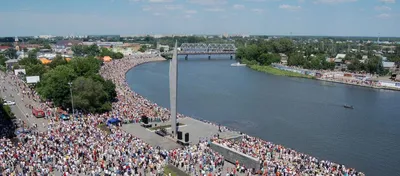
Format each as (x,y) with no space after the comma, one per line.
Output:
(72,99)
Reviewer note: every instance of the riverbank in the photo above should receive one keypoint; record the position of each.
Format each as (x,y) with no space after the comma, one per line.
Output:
(278,162)
(278,72)
(356,82)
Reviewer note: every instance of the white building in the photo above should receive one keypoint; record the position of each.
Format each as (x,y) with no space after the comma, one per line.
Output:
(340,56)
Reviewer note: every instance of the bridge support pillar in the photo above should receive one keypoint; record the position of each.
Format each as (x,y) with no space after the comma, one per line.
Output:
(186,57)
(209,57)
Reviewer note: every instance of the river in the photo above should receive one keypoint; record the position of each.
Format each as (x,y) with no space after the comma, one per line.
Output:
(303,114)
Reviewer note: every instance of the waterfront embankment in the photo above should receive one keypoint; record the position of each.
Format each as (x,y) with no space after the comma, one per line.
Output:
(362,80)
(286,164)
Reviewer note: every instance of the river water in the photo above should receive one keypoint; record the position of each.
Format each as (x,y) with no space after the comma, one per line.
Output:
(303,114)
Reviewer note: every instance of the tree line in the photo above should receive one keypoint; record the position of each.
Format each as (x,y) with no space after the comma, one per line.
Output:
(308,56)
(91,93)
(267,52)
(93,50)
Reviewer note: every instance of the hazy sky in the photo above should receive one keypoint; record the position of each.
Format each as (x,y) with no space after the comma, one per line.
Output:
(269,17)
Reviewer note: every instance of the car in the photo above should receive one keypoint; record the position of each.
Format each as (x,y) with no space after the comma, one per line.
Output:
(9,103)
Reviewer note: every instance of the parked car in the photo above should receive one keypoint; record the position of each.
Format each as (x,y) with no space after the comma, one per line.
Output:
(9,103)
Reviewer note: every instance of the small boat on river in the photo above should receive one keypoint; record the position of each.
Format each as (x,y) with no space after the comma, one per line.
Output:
(238,64)
(348,106)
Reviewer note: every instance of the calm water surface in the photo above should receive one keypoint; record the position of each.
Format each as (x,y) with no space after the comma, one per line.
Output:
(306,115)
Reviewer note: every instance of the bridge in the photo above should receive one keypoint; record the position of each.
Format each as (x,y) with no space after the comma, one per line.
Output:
(206,49)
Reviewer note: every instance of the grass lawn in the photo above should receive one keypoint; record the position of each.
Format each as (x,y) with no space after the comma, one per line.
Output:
(174,171)
(104,128)
(275,71)
(163,126)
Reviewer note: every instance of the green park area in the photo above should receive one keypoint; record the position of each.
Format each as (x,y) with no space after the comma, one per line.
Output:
(275,71)
(91,92)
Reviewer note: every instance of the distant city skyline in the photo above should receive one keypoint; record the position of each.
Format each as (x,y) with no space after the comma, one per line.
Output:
(247,17)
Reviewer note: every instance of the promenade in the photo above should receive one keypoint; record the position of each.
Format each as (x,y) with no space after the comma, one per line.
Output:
(363,80)
(79,147)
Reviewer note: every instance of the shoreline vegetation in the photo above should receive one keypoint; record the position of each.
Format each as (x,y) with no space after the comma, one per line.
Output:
(274,71)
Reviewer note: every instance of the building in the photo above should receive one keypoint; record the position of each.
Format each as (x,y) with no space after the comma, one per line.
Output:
(159,46)
(284,58)
(134,46)
(365,57)
(3,48)
(67,43)
(340,56)
(10,63)
(124,51)
(388,65)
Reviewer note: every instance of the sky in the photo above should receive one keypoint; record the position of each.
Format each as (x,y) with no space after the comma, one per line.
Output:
(249,17)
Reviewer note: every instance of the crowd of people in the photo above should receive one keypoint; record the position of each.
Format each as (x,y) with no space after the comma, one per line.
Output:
(278,160)
(131,106)
(80,147)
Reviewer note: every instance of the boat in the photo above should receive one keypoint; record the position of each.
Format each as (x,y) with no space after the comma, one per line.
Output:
(348,106)
(238,64)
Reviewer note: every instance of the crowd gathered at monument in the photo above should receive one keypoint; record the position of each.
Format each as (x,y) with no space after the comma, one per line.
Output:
(79,147)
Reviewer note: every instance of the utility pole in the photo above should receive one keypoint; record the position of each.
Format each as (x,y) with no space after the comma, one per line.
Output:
(72,99)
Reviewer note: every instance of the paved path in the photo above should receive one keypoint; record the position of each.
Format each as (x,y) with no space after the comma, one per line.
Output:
(19,108)
(150,137)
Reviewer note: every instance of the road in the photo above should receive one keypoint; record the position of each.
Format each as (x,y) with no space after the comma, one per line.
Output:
(19,109)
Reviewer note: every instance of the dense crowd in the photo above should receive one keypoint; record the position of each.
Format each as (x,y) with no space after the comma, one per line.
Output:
(278,160)
(79,146)
(131,106)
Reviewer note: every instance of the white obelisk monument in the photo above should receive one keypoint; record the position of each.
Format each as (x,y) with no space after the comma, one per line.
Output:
(173,82)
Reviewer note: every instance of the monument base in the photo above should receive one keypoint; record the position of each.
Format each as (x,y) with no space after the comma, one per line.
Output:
(181,142)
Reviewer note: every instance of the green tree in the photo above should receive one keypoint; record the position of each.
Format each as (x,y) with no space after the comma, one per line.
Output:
(268,59)
(10,53)
(78,50)
(3,60)
(46,46)
(89,95)
(5,111)
(315,63)
(105,52)
(143,48)
(118,55)
(283,45)
(85,66)
(33,53)
(394,59)
(54,85)
(355,65)
(28,60)
(374,65)
(296,59)
(109,87)
(35,70)
(92,50)
(162,49)
(58,60)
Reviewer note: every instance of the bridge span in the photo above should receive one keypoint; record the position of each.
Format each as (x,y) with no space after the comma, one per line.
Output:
(187,49)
